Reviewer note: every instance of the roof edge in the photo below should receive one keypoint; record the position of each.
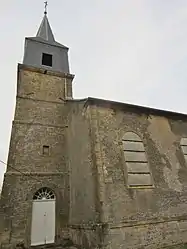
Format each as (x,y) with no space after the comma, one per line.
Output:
(133,107)
(40,40)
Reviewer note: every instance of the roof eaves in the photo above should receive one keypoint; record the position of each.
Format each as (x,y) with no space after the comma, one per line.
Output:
(55,44)
(148,110)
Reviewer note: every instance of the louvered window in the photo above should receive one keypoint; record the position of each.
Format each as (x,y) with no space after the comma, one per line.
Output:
(136,161)
(183,145)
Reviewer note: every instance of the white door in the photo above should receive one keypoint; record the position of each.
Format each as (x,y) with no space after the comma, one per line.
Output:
(43,222)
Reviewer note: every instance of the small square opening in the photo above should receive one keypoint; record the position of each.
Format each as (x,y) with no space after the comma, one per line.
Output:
(45,150)
(47,59)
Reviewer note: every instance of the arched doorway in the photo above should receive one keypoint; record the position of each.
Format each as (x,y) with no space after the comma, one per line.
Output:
(43,217)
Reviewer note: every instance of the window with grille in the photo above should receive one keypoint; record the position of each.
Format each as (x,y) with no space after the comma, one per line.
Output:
(44,194)
(138,171)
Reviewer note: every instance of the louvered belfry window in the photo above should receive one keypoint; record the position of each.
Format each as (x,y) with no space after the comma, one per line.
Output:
(183,145)
(136,161)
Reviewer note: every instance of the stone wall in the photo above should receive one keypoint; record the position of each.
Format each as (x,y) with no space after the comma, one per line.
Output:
(18,206)
(40,120)
(147,217)
(148,235)
(87,169)
(83,209)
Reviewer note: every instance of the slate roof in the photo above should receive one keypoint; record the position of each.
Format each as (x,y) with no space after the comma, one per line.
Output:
(45,34)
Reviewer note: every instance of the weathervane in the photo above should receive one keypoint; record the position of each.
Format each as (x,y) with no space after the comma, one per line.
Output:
(45,6)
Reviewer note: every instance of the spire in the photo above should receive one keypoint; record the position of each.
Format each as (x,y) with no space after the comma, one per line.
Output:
(42,51)
(45,31)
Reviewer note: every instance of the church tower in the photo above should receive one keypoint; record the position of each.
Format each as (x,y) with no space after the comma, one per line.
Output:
(43,51)
(35,198)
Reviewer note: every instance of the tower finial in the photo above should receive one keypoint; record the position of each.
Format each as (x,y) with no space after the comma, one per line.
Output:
(45,7)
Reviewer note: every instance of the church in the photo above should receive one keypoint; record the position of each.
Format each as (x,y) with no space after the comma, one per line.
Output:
(89,173)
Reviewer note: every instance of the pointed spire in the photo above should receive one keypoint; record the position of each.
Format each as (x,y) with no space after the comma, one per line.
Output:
(44,43)
(45,31)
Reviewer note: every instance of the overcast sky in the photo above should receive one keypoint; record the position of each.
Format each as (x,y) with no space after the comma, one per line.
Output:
(131,51)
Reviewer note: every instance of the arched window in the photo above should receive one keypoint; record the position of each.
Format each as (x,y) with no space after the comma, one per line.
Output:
(136,161)
(183,145)
(43,217)
(44,194)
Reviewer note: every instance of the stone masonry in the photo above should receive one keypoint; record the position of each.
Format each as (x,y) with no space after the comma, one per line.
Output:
(130,217)
(40,119)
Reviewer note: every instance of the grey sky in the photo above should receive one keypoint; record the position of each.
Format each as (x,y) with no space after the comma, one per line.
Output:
(126,50)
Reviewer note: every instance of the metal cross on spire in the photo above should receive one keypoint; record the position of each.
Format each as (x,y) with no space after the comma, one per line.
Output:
(45,7)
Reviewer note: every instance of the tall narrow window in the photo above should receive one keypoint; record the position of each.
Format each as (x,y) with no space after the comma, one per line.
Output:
(47,59)
(183,145)
(136,161)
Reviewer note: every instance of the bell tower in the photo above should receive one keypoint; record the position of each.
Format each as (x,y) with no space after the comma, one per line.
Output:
(44,52)
(35,195)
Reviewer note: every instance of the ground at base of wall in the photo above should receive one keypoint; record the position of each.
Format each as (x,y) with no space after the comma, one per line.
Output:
(66,246)
(181,246)
(38,247)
